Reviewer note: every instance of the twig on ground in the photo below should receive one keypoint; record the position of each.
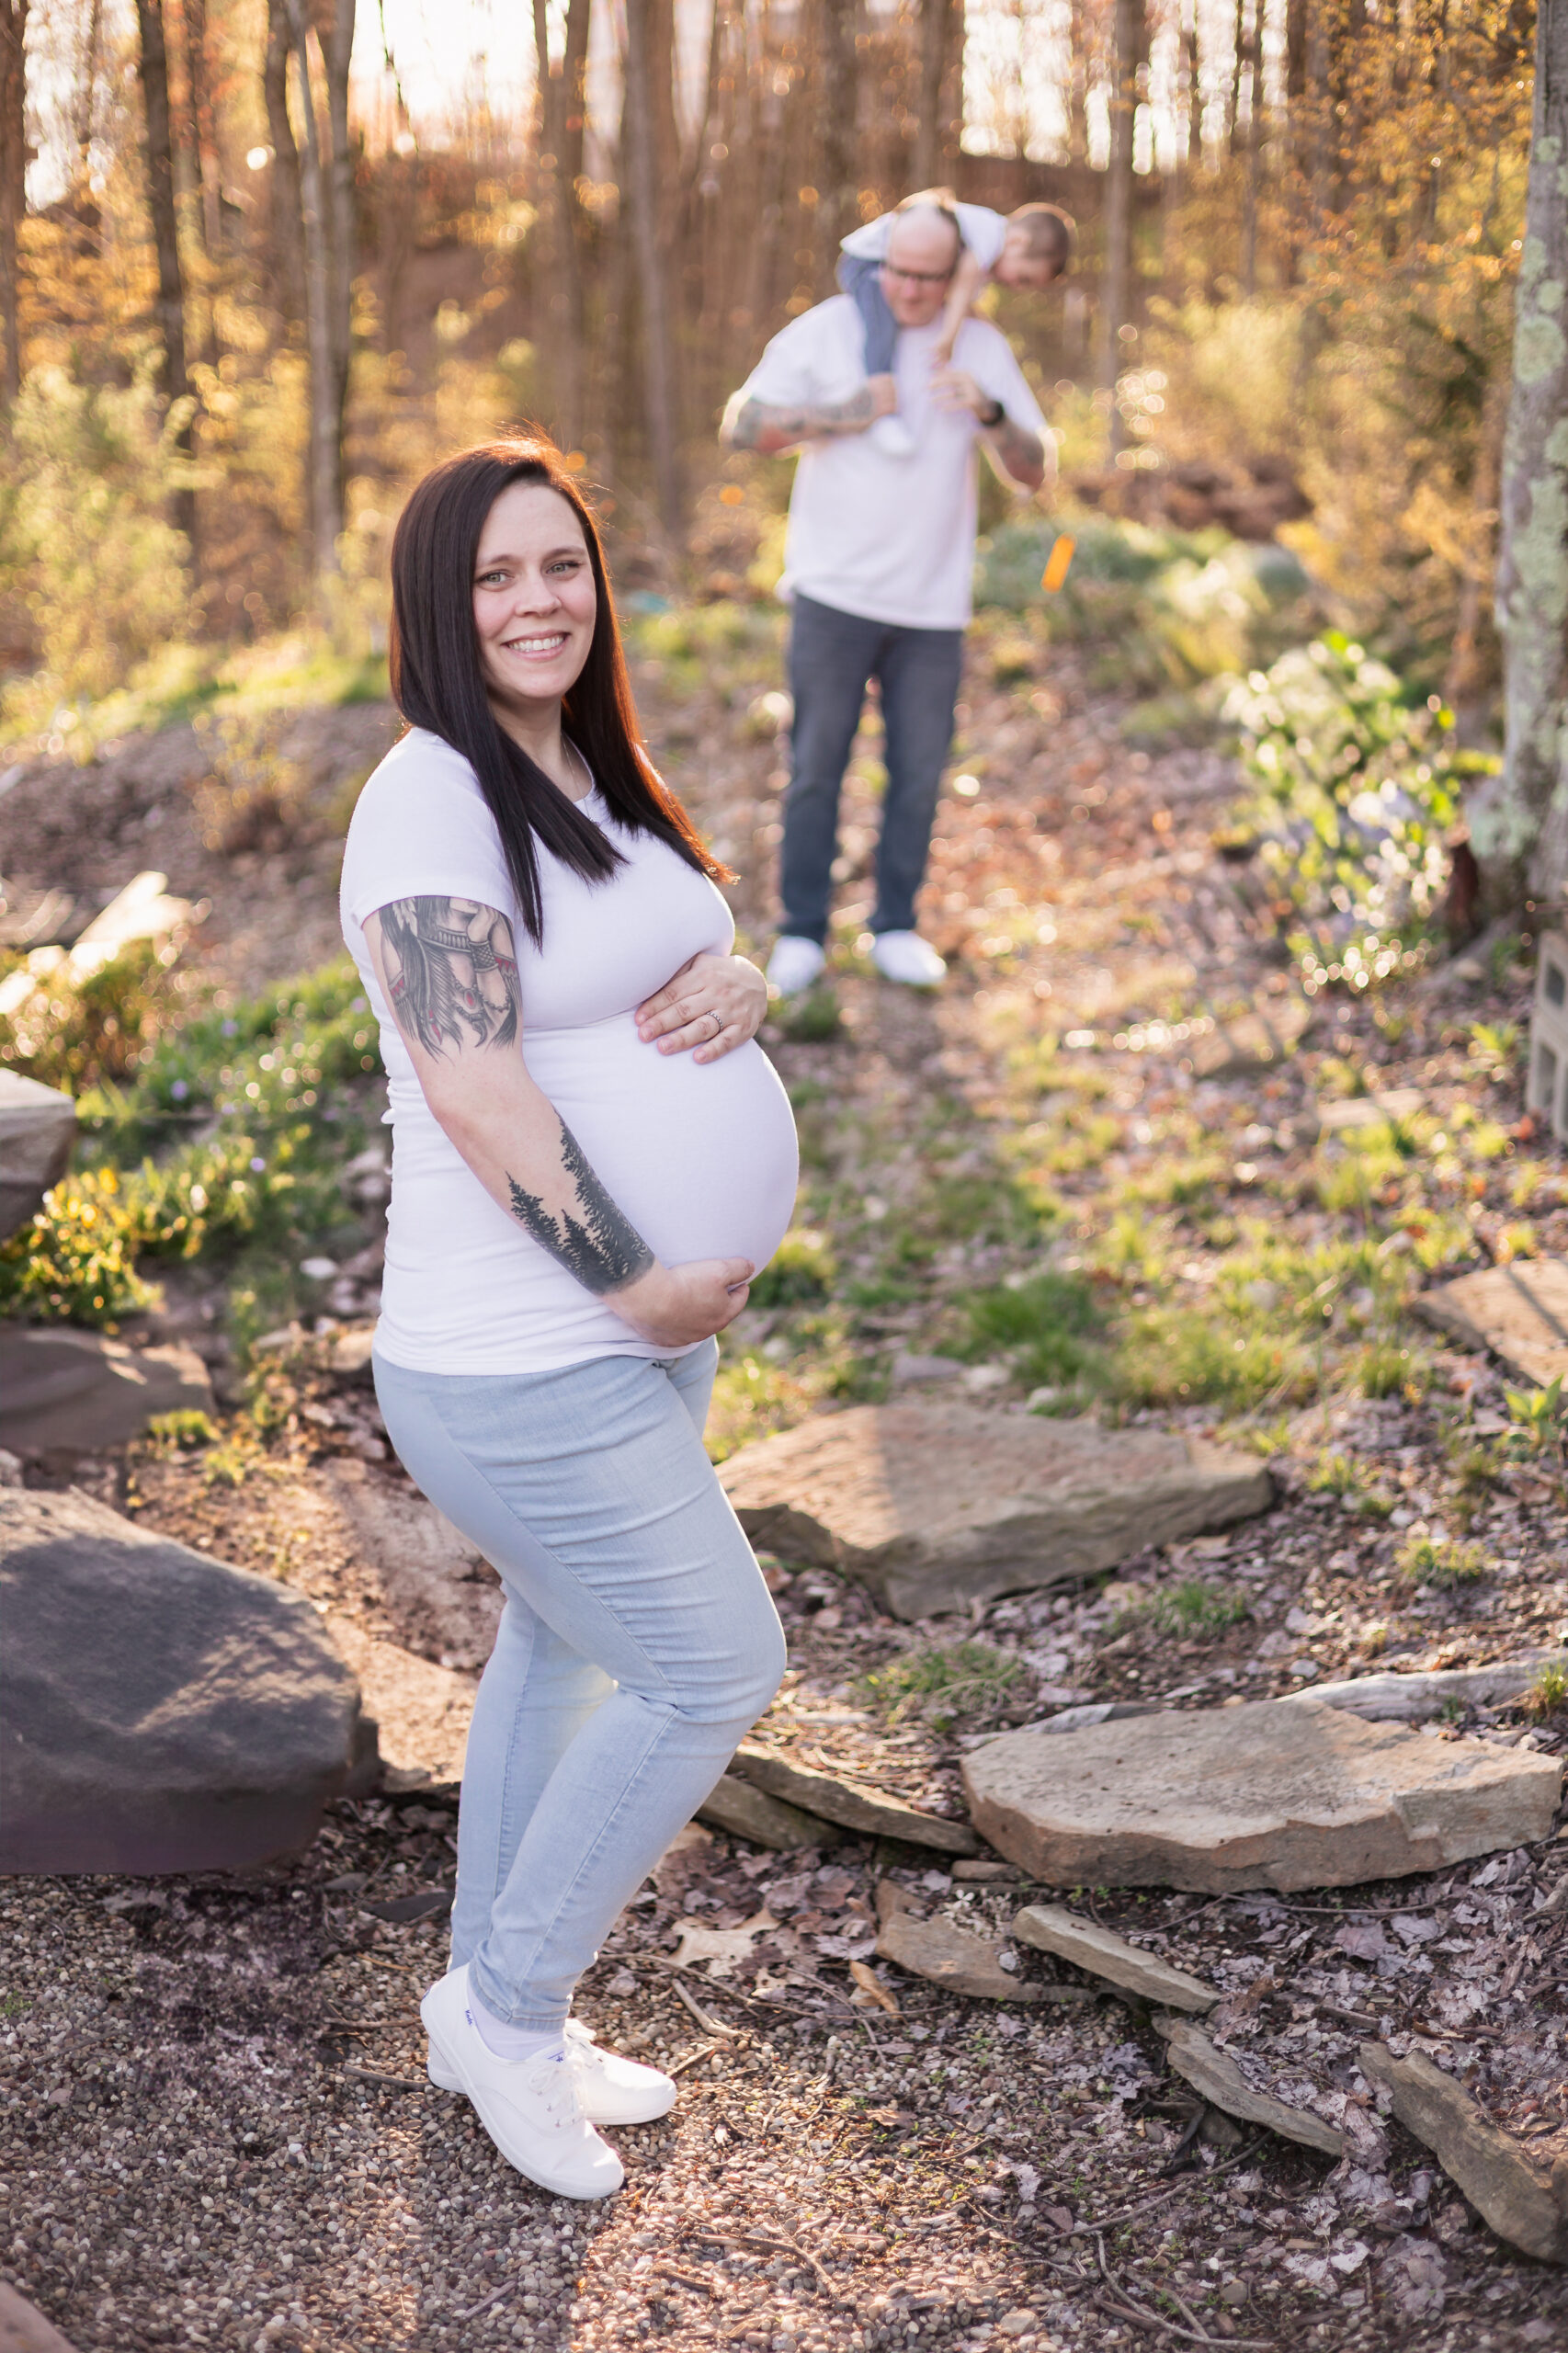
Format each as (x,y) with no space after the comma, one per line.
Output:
(1151,2319)
(1131,2214)
(779,2246)
(705,2019)
(705,2051)
(398,2083)
(687,2278)
(487,2303)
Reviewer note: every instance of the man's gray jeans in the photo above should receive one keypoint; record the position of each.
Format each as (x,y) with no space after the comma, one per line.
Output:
(833,657)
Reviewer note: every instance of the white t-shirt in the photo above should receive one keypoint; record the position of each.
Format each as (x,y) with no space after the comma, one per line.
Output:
(889,539)
(983,231)
(700,1157)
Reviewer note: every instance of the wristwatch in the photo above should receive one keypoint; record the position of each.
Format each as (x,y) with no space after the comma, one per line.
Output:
(991,417)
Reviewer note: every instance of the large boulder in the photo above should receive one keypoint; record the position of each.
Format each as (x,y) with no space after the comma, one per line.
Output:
(935,1506)
(1281,1794)
(159,1710)
(80,1392)
(38,1127)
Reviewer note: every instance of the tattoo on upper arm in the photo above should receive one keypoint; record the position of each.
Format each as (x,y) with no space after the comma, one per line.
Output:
(452,974)
(602,1247)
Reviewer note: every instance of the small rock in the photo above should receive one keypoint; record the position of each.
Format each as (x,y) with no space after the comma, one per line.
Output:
(1234,2293)
(1216,2076)
(1523,2203)
(852,1808)
(65,1389)
(1102,1953)
(951,1957)
(907,1370)
(747,1811)
(1519,1312)
(38,1127)
(1282,1793)
(23,2328)
(164,1711)
(1017,2323)
(935,1506)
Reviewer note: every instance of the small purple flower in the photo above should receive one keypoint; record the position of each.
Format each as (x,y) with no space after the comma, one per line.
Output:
(179,1090)
(258,1165)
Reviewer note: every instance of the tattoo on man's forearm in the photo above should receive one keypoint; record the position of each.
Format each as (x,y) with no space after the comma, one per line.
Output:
(1018,449)
(450,971)
(755,422)
(601,1247)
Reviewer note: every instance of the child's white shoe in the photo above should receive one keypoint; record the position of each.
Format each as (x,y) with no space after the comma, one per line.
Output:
(891,436)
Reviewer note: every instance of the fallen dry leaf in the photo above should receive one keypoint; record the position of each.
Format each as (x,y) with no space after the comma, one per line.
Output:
(871,1985)
(720,1947)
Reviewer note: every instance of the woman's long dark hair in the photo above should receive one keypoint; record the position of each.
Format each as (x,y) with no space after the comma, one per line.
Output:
(438,683)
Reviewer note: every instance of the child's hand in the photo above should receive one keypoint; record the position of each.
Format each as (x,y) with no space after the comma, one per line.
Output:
(942,352)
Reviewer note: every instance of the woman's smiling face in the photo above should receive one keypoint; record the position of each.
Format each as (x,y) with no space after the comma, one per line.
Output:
(534,598)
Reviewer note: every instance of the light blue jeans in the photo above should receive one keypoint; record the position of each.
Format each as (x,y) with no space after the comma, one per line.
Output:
(637,1644)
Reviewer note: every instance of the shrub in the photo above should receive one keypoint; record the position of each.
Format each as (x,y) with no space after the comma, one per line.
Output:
(75,1261)
(965,1680)
(1047,1325)
(802,1267)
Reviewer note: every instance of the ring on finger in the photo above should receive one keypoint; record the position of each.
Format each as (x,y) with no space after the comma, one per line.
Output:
(716,1019)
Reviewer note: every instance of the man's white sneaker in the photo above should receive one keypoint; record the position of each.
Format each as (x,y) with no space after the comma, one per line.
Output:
(891,436)
(904,956)
(610,2090)
(533,2110)
(794,965)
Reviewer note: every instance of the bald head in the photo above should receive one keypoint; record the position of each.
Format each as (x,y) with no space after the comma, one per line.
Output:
(923,252)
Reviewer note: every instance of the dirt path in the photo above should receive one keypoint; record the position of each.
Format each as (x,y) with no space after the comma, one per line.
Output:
(199,2142)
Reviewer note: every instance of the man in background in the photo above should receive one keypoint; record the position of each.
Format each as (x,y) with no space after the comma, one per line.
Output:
(877,565)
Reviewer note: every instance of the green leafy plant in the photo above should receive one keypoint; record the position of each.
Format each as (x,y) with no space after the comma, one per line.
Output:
(1538,1417)
(802,1267)
(966,1679)
(75,1261)
(1547,1695)
(1358,784)
(1439,1561)
(175,1433)
(1048,1327)
(1189,1610)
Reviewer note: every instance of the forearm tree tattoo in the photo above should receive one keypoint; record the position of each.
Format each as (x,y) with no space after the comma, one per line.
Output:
(602,1248)
(452,979)
(451,973)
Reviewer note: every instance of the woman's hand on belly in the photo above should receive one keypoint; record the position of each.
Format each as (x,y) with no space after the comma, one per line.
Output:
(711,1007)
(676,1306)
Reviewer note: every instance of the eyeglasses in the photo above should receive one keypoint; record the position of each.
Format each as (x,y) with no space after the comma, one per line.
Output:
(917,277)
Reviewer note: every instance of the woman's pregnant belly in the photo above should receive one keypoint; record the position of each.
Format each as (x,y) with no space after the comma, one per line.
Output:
(700,1157)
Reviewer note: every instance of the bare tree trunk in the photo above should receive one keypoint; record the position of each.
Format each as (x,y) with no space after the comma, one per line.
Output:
(288,203)
(561,115)
(12,180)
(838,208)
(204,141)
(1116,282)
(336,50)
(326,422)
(1519,819)
(1253,184)
(158,155)
(930,138)
(639,136)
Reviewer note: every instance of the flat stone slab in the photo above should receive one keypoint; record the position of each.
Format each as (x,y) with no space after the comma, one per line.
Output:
(951,1957)
(80,1392)
(1281,1794)
(1199,2062)
(933,1506)
(1519,1312)
(1418,1699)
(747,1811)
(1512,2191)
(1102,1953)
(871,1811)
(163,1712)
(38,1127)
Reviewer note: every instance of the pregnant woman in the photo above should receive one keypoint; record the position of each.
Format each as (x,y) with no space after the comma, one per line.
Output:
(590,1159)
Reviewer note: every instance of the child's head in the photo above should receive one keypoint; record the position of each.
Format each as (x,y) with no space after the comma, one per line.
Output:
(1038,246)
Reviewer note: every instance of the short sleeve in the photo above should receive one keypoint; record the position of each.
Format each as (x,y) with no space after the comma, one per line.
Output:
(983,232)
(421,829)
(790,374)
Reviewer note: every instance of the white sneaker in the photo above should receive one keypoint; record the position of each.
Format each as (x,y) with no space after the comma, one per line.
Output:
(610,2090)
(891,436)
(904,956)
(533,2110)
(794,963)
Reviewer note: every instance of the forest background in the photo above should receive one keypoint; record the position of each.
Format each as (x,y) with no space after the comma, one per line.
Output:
(261,263)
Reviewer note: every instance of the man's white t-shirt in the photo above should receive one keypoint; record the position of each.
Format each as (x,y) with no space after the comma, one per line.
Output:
(983,231)
(889,539)
(700,1157)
